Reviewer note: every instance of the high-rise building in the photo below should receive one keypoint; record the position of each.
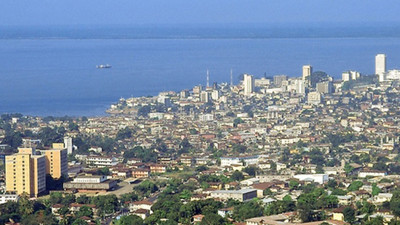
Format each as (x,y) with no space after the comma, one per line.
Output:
(307,71)
(324,87)
(26,172)
(205,96)
(248,83)
(279,79)
(380,66)
(346,76)
(215,95)
(299,86)
(68,144)
(56,162)
(350,75)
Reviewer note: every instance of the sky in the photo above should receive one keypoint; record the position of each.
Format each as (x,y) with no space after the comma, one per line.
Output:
(170,12)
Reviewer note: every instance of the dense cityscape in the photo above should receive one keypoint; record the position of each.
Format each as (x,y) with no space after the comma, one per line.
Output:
(270,150)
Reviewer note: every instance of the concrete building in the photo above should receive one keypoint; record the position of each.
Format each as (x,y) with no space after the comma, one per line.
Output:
(248,84)
(91,183)
(164,100)
(371,173)
(380,66)
(101,161)
(307,71)
(350,75)
(205,96)
(240,195)
(68,144)
(206,117)
(263,82)
(248,160)
(279,79)
(26,172)
(324,87)
(215,95)
(346,76)
(296,85)
(317,178)
(8,197)
(393,75)
(314,98)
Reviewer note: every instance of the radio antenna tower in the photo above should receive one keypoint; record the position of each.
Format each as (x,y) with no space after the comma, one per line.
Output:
(231,78)
(208,79)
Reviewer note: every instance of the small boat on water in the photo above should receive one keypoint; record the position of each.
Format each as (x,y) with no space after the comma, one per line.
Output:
(102,66)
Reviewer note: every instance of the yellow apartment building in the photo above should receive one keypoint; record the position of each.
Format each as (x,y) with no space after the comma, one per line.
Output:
(56,162)
(26,172)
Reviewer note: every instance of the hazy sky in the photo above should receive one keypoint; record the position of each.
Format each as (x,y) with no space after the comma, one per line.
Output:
(126,12)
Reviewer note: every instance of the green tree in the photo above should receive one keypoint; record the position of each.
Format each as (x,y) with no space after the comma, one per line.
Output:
(247,210)
(128,197)
(349,215)
(355,185)
(367,208)
(103,171)
(395,203)
(144,111)
(55,197)
(129,220)
(25,206)
(79,222)
(237,121)
(293,184)
(375,221)
(251,170)
(375,190)
(83,199)
(237,176)
(84,211)
(124,133)
(212,219)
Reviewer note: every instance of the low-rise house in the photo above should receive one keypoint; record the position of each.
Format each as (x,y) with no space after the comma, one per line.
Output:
(240,195)
(75,207)
(371,173)
(337,214)
(344,199)
(133,206)
(261,187)
(197,218)
(141,173)
(158,168)
(142,213)
(225,212)
(317,178)
(7,197)
(55,208)
(101,161)
(250,181)
(382,197)
(232,185)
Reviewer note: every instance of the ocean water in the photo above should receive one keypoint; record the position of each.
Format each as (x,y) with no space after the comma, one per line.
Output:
(53,71)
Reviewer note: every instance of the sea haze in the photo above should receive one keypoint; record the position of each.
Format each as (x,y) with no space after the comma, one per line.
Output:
(52,70)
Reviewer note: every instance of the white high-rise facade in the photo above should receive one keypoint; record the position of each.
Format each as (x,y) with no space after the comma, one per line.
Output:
(248,83)
(307,71)
(68,144)
(380,66)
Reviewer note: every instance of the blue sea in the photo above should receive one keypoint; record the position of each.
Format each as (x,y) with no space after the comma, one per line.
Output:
(52,70)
